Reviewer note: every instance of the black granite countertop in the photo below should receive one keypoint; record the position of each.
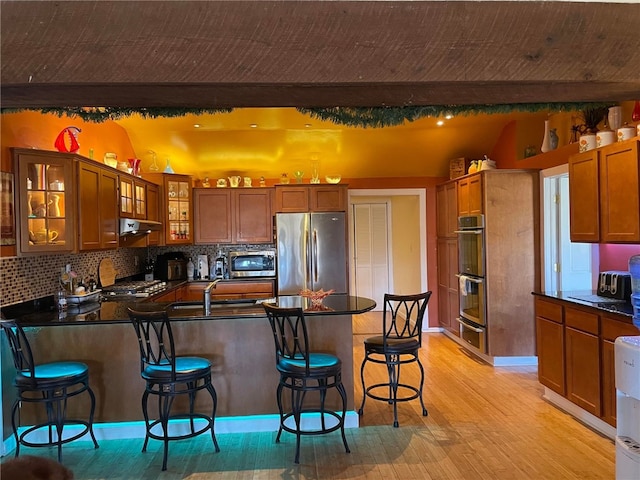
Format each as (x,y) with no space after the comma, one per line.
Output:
(589,298)
(44,313)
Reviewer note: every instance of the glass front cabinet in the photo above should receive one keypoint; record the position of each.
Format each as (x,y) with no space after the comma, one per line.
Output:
(176,203)
(45,201)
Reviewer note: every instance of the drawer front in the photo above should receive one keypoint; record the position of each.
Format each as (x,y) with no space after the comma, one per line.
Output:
(580,320)
(612,329)
(549,310)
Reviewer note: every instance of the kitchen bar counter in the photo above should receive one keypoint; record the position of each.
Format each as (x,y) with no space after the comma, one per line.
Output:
(237,340)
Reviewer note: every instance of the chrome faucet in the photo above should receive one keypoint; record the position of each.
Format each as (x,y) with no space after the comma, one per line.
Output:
(207,296)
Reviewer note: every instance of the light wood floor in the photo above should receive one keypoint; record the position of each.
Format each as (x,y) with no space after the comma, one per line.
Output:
(483,423)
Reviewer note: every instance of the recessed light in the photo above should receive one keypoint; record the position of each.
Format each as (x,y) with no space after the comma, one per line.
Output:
(448,117)
(196,125)
(440,123)
(307,125)
(254,125)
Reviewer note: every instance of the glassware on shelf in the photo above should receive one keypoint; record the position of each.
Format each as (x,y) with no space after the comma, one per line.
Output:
(154,164)
(298,174)
(168,168)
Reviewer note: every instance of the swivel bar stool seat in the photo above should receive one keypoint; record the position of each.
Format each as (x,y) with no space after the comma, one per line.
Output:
(398,345)
(51,384)
(168,376)
(302,371)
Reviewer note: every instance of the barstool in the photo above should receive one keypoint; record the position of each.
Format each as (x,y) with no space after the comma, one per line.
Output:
(399,344)
(169,376)
(51,384)
(302,371)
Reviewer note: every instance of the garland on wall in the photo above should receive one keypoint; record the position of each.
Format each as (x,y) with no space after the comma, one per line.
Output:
(364,117)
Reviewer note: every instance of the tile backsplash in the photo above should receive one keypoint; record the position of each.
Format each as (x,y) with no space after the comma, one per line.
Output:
(28,278)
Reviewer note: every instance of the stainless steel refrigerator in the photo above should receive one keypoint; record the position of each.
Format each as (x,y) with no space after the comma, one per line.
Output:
(311,252)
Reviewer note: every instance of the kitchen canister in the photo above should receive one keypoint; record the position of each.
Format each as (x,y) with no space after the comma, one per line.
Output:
(587,142)
(605,137)
(625,133)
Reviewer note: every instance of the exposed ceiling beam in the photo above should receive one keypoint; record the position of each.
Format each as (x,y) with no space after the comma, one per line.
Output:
(316,53)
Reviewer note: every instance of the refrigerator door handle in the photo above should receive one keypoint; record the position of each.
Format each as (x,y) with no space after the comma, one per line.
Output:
(315,256)
(307,249)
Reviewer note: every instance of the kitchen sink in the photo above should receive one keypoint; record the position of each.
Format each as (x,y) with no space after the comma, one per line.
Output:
(218,304)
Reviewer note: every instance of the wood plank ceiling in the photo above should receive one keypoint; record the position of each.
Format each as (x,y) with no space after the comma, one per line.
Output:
(316,53)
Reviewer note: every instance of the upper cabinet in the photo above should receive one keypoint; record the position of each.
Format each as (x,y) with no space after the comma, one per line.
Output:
(310,198)
(133,197)
(604,192)
(175,207)
(98,217)
(233,215)
(470,195)
(45,201)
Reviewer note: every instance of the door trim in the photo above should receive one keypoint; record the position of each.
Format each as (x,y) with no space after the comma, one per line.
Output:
(421,193)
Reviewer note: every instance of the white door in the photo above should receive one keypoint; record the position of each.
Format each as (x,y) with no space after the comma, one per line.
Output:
(371,245)
(567,265)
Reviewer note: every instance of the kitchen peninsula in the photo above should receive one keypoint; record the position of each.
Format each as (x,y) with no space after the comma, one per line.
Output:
(236,338)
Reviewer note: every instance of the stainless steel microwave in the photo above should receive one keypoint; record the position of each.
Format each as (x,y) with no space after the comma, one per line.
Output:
(252,263)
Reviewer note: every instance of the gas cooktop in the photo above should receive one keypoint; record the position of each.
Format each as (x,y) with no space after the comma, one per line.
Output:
(133,289)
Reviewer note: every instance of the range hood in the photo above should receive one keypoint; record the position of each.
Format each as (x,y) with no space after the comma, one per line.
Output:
(130,226)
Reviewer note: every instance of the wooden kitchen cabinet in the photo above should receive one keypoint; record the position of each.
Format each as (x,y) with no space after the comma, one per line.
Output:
(230,290)
(153,213)
(133,197)
(448,302)
(620,193)
(45,198)
(300,198)
(470,195)
(604,194)
(233,216)
(98,217)
(550,345)
(584,197)
(447,209)
(175,206)
(580,353)
(582,357)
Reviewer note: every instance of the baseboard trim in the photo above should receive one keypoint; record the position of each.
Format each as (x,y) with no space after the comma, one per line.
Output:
(515,361)
(579,414)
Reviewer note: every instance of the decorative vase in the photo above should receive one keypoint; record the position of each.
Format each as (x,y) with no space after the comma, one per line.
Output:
(546,141)
(553,139)
(168,168)
(615,118)
(635,115)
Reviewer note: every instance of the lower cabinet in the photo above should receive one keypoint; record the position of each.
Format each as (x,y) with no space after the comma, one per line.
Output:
(576,354)
(550,342)
(448,302)
(229,290)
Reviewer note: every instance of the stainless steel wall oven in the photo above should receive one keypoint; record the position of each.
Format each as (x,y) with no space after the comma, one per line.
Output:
(472,293)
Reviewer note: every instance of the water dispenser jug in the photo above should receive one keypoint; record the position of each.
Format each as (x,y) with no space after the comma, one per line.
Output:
(634,269)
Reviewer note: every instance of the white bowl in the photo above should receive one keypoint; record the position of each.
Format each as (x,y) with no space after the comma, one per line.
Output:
(333,178)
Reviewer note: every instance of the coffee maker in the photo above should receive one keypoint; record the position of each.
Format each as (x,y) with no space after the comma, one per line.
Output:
(220,265)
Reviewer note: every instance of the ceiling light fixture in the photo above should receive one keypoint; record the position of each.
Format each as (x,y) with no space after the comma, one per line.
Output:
(196,125)
(448,116)
(254,125)
(307,125)
(440,123)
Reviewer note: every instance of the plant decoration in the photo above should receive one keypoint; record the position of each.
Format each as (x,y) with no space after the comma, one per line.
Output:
(591,117)
(365,117)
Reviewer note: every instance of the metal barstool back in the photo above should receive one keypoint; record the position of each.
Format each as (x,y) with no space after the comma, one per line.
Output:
(302,371)
(51,384)
(168,376)
(399,344)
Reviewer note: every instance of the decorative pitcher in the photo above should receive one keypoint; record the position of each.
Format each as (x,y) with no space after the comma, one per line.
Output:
(234,181)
